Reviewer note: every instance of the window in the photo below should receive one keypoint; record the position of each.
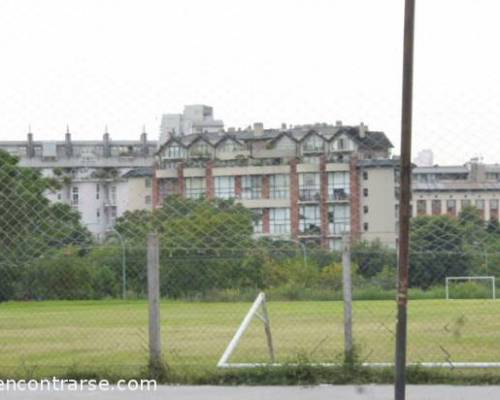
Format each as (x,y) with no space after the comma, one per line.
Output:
(365,192)
(230,146)
(175,151)
(494,209)
(257,220)
(365,209)
(309,220)
(313,144)
(465,203)
(195,188)
(436,207)
(335,244)
(279,186)
(251,187)
(279,221)
(113,195)
(309,187)
(148,182)
(365,175)
(147,199)
(113,216)
(97,191)
(98,214)
(365,226)
(224,187)
(421,207)
(339,219)
(75,196)
(338,185)
(451,207)
(340,144)
(200,149)
(480,206)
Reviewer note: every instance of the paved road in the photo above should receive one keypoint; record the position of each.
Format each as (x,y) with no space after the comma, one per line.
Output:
(323,392)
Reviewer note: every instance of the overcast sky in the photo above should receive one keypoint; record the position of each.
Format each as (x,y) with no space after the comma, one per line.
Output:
(88,63)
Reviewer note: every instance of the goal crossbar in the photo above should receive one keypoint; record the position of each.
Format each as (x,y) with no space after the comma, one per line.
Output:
(469,279)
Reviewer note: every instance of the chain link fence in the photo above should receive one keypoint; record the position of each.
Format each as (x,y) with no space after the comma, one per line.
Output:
(231,228)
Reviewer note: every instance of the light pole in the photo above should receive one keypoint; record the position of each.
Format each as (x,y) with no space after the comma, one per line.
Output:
(124,265)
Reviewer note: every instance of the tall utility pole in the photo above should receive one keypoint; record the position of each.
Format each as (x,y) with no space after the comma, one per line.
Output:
(404,201)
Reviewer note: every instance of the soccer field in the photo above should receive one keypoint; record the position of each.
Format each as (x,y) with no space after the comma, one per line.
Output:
(114,333)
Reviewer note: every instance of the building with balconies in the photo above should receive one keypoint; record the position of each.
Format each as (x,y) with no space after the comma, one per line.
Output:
(101,179)
(315,183)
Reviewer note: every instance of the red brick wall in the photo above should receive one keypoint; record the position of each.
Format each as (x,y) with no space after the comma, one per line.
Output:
(294,199)
(265,220)
(210,179)
(265,187)
(155,187)
(324,201)
(355,200)
(237,186)
(181,184)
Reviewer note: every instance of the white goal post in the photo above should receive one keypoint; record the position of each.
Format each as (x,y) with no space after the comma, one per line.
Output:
(260,302)
(469,279)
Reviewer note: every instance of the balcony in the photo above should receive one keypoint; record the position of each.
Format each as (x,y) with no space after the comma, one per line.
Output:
(338,195)
(309,195)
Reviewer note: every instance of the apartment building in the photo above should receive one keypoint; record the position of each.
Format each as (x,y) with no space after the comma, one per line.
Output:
(440,190)
(101,179)
(196,118)
(310,182)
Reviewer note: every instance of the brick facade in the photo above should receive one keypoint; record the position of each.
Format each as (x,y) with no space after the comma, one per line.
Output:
(294,199)
(265,220)
(181,183)
(210,180)
(237,186)
(355,199)
(323,201)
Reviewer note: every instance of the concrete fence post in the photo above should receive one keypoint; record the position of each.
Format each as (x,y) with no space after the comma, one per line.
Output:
(153,260)
(347,296)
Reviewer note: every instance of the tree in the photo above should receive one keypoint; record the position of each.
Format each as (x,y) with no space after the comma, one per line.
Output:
(30,225)
(438,249)
(205,244)
(372,257)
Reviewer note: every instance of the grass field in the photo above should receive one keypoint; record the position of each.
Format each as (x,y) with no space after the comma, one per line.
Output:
(114,333)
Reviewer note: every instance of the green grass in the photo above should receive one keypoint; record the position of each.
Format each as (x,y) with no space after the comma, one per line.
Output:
(37,337)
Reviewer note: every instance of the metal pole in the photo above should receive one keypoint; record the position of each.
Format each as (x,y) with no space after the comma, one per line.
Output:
(404,201)
(153,261)
(124,264)
(347,293)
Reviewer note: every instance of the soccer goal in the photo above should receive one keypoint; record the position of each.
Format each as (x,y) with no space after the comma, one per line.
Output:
(469,279)
(258,305)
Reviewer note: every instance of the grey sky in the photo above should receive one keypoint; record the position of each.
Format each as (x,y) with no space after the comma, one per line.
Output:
(124,63)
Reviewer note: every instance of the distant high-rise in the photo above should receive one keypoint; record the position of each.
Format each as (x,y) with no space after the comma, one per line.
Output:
(196,118)
(424,158)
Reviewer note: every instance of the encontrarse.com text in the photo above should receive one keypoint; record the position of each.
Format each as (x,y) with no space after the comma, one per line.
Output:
(57,385)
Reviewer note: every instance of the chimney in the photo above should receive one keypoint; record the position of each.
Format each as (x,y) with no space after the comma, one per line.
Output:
(67,143)
(144,143)
(477,170)
(362,130)
(258,128)
(338,123)
(30,150)
(106,144)
(283,126)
